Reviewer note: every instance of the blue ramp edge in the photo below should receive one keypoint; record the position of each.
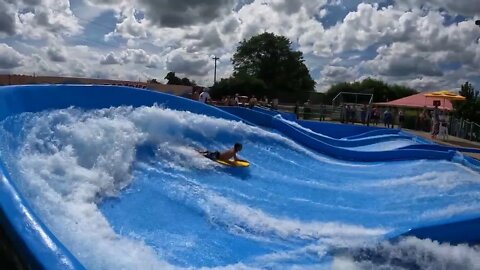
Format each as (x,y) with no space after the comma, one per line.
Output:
(350,155)
(36,245)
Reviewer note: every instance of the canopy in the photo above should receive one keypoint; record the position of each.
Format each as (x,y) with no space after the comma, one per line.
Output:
(418,101)
(445,95)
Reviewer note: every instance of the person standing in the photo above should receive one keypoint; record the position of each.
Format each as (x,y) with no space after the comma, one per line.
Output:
(387,118)
(204,96)
(436,122)
(195,95)
(307,110)
(252,102)
(353,117)
(443,127)
(363,114)
(295,109)
(275,103)
(401,118)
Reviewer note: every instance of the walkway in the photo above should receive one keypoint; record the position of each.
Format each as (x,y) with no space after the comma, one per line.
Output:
(451,141)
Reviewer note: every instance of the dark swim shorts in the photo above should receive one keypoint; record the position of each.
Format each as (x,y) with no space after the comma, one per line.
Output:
(213,155)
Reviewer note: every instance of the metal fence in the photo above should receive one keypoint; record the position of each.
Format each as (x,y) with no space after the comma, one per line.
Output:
(465,129)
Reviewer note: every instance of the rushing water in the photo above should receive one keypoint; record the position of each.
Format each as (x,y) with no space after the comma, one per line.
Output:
(125,188)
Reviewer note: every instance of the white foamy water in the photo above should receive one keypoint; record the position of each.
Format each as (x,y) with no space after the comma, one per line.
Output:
(413,253)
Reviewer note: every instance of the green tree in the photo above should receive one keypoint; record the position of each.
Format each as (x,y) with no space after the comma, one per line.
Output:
(381,91)
(173,79)
(470,108)
(270,59)
(243,85)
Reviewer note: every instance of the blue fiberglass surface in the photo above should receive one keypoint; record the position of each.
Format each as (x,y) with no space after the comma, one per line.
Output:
(123,187)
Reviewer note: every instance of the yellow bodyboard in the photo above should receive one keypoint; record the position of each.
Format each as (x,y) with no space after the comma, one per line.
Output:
(236,163)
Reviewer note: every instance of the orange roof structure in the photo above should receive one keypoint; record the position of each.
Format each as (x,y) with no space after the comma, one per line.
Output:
(418,101)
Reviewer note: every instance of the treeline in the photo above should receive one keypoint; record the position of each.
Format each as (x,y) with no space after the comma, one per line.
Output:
(470,108)
(382,92)
(173,79)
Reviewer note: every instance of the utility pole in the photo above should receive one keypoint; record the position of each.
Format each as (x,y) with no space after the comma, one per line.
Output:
(215,72)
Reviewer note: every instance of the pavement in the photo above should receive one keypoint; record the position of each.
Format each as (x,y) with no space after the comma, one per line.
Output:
(451,141)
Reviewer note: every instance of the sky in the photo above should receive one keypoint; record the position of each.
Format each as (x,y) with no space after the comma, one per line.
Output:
(423,44)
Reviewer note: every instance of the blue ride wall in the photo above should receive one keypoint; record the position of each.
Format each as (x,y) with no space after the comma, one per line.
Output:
(39,247)
(330,147)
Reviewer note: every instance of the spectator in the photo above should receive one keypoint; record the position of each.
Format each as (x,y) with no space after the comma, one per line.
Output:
(401,118)
(353,116)
(204,96)
(252,102)
(295,110)
(363,114)
(195,95)
(232,101)
(323,112)
(387,118)
(237,100)
(226,101)
(264,101)
(275,103)
(348,114)
(343,113)
(435,122)
(307,111)
(374,115)
(443,128)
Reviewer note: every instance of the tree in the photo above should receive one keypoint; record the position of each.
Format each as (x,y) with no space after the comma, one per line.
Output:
(470,108)
(270,59)
(173,79)
(243,85)
(382,92)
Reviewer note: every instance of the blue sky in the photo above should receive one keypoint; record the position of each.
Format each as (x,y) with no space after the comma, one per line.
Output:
(424,44)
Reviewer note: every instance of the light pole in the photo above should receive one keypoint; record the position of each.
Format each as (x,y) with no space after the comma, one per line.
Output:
(215,72)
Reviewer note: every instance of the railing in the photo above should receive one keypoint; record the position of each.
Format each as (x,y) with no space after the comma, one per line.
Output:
(339,95)
(465,129)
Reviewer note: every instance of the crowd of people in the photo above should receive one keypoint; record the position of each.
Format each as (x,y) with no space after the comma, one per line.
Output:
(371,115)
(435,121)
(236,100)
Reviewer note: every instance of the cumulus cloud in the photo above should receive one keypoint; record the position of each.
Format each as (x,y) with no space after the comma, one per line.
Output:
(185,12)
(56,54)
(7,18)
(110,59)
(401,59)
(181,62)
(135,56)
(9,57)
(409,42)
(37,19)
(129,27)
(463,7)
